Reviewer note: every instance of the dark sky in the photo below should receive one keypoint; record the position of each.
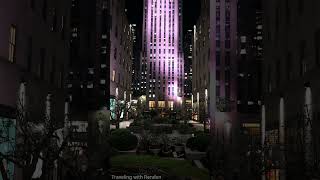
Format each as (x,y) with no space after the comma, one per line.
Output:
(191,11)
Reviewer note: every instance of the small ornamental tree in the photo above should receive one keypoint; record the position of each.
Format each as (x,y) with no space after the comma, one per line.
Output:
(119,111)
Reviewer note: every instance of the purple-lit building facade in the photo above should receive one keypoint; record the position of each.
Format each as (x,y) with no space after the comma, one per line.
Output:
(214,80)
(121,53)
(162,64)
(214,66)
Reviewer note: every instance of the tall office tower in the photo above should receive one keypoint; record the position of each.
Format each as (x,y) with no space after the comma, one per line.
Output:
(88,77)
(136,55)
(120,55)
(188,38)
(249,63)
(249,75)
(162,66)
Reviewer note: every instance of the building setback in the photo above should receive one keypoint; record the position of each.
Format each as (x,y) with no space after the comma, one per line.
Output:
(162,64)
(291,70)
(34,50)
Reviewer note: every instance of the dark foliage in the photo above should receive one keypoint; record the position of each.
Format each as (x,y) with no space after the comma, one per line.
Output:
(123,140)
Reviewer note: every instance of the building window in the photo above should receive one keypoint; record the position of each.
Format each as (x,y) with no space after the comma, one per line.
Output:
(227,44)
(218,75)
(217,58)
(218,91)
(227,74)
(161,104)
(115,53)
(227,58)
(217,43)
(12,43)
(170,105)
(152,104)
(227,92)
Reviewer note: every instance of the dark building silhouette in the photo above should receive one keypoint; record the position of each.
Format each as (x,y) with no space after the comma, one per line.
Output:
(290,67)
(188,52)
(34,51)
(88,76)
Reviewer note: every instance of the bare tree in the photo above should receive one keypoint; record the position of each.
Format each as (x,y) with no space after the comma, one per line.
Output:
(34,142)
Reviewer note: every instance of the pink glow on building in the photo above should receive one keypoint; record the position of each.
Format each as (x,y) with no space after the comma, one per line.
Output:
(162,58)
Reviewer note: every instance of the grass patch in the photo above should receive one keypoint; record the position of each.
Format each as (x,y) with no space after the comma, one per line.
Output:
(181,168)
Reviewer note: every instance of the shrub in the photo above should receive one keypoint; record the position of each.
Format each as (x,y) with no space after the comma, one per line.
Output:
(161,130)
(185,129)
(147,124)
(123,140)
(161,120)
(200,142)
(136,129)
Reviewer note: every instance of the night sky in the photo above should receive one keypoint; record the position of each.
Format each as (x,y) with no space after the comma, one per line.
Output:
(191,11)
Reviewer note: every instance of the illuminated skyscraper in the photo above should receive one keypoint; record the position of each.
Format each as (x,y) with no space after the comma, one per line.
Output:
(162,66)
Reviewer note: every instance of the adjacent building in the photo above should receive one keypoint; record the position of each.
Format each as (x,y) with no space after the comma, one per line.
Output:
(34,50)
(214,65)
(162,62)
(121,54)
(188,52)
(88,85)
(136,56)
(291,70)
(249,81)
(101,62)
(214,81)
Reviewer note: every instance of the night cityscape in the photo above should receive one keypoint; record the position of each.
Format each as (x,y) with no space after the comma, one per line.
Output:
(160,89)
